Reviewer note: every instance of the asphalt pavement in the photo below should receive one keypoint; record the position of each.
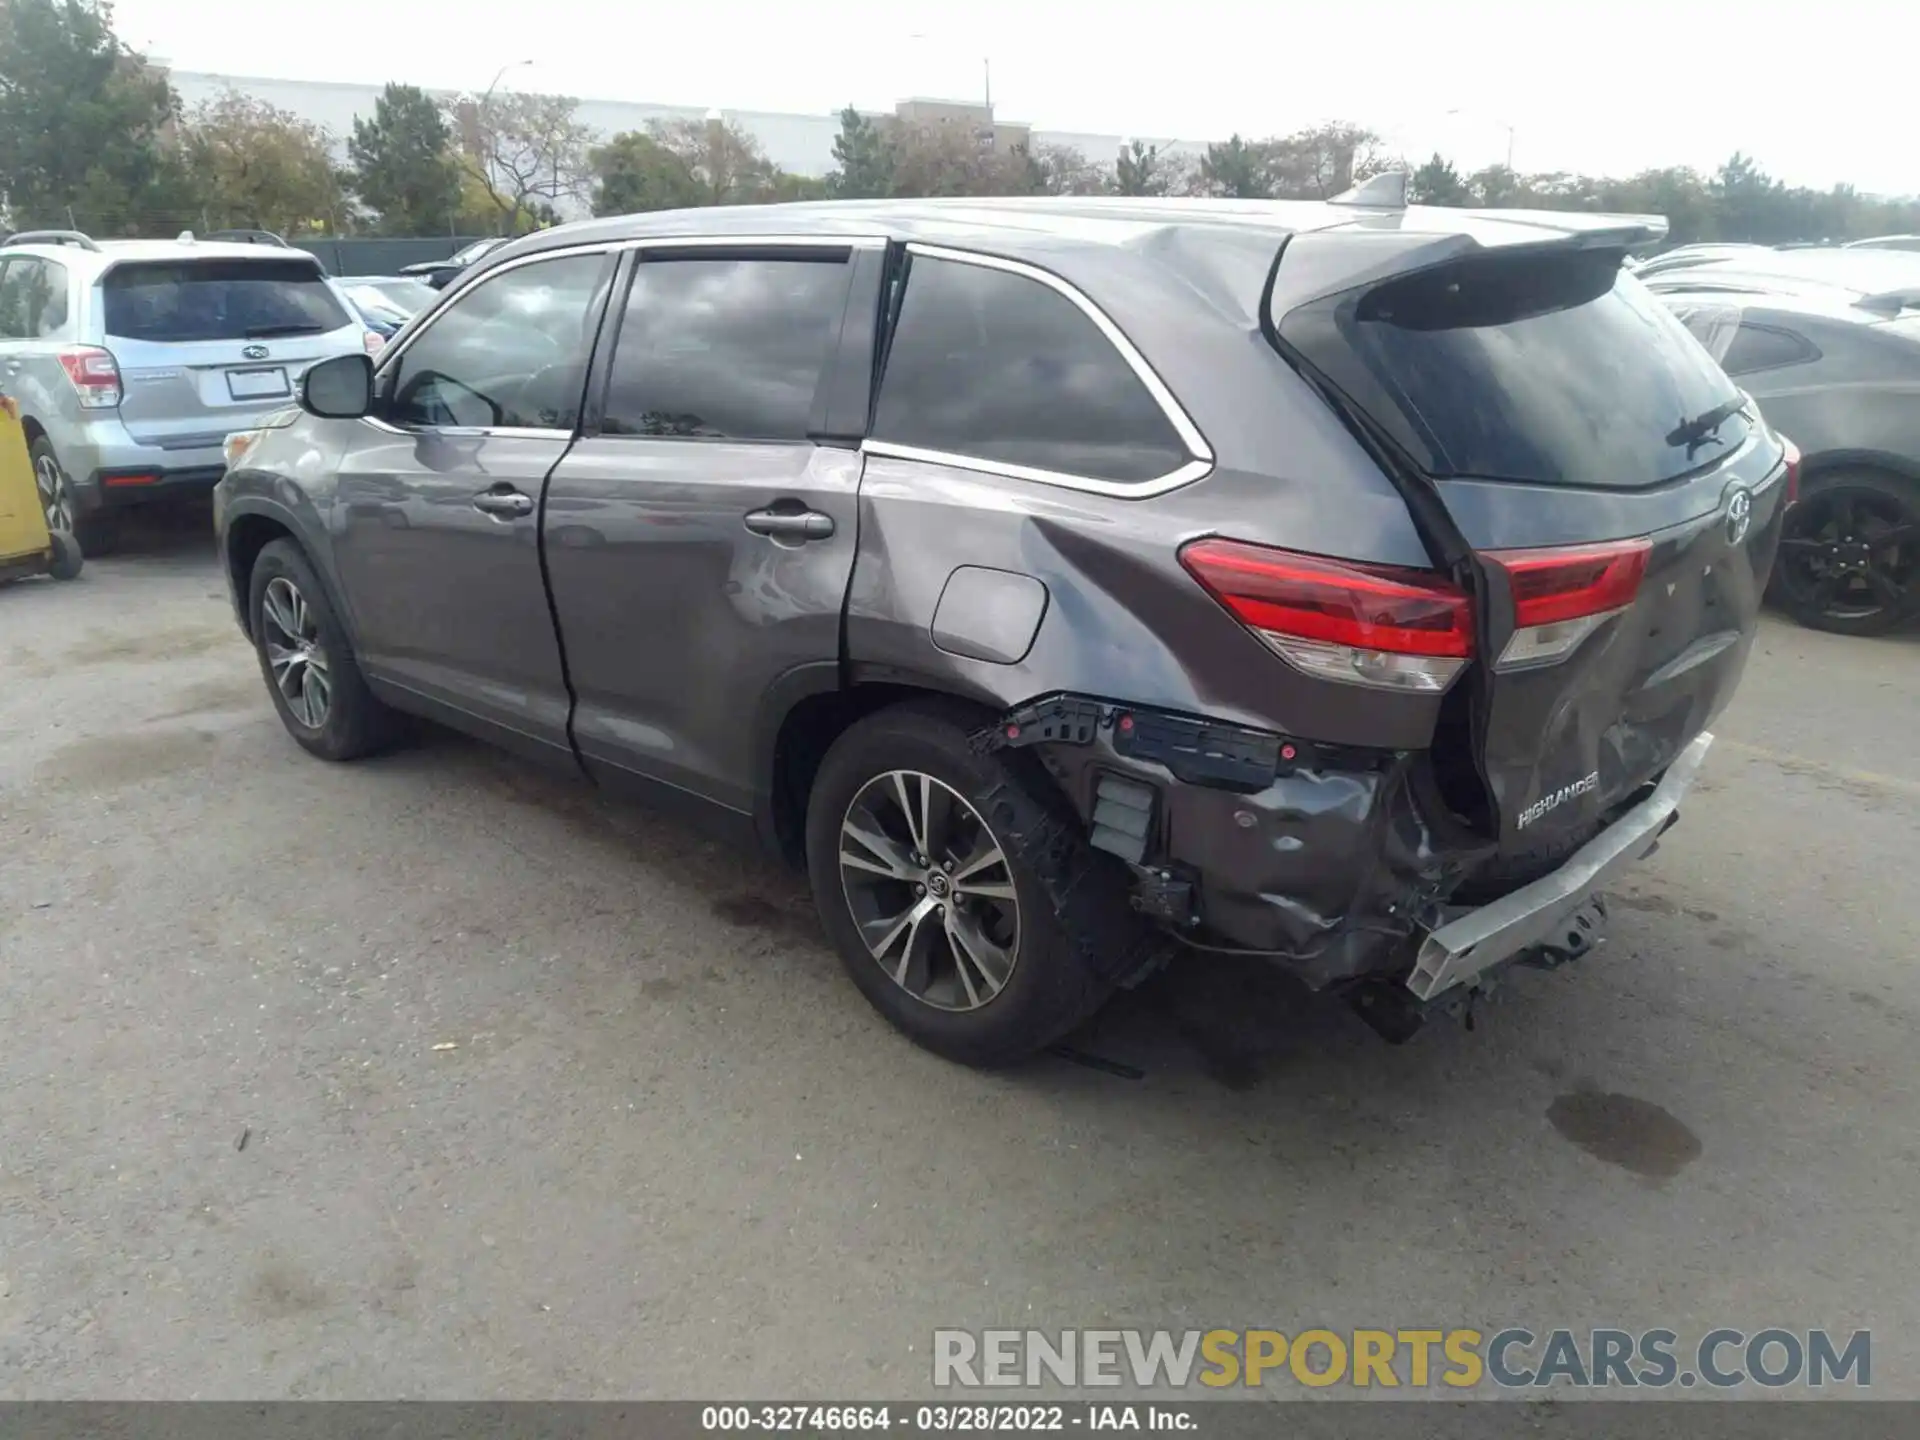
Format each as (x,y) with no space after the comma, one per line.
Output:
(435,1076)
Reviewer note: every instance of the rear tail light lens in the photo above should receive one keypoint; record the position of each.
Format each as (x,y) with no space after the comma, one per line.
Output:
(1562,595)
(95,376)
(373,342)
(1367,625)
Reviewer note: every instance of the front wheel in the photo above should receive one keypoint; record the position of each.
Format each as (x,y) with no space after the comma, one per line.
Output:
(967,911)
(1849,558)
(309,667)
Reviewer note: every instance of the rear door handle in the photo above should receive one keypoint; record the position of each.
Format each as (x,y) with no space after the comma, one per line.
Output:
(503,504)
(790,524)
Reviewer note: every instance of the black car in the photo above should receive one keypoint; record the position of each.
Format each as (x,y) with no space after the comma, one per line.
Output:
(1065,584)
(1828,342)
(438,273)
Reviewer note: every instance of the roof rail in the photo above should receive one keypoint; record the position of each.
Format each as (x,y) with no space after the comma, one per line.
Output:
(52,237)
(1385,191)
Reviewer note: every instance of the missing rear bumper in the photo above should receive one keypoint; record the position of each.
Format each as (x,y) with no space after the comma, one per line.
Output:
(1544,912)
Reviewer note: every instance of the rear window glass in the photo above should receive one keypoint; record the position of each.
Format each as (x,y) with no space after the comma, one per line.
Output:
(1551,368)
(184,300)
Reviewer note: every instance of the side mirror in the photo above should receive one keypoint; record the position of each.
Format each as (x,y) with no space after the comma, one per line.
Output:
(338,389)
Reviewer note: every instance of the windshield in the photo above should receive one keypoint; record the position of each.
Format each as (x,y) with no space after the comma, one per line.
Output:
(185,300)
(1551,367)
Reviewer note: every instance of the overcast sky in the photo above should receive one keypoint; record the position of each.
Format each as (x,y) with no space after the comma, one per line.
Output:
(1586,86)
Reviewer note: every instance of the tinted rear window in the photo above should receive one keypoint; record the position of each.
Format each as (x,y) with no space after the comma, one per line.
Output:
(1553,368)
(183,300)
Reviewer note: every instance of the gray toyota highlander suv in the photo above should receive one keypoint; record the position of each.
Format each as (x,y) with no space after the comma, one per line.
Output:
(133,360)
(1066,584)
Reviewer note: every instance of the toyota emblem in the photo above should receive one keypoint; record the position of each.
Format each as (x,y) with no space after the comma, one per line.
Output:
(1739,515)
(255,352)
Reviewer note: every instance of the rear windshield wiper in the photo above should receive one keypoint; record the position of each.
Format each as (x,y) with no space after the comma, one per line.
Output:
(267,332)
(1703,427)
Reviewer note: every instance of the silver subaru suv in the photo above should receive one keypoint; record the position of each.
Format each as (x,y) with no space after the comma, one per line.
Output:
(133,360)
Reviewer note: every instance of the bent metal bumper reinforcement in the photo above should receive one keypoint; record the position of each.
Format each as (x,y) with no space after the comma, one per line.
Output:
(1478,940)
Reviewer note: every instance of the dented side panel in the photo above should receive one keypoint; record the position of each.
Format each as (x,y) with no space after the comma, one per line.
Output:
(1122,618)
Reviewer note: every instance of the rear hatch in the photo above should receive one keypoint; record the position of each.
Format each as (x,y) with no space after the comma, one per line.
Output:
(1605,495)
(207,344)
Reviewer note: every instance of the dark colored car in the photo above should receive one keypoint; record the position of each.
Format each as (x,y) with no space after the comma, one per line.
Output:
(440,273)
(1065,584)
(1828,341)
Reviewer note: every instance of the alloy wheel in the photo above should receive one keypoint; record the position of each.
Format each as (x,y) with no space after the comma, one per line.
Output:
(55,503)
(294,651)
(1851,553)
(930,890)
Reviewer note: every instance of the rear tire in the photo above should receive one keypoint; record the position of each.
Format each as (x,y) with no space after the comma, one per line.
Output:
(307,661)
(67,559)
(998,978)
(1833,531)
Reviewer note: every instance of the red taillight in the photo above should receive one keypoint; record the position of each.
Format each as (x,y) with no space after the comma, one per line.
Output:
(130,477)
(1561,595)
(95,376)
(1569,582)
(1374,625)
(1793,468)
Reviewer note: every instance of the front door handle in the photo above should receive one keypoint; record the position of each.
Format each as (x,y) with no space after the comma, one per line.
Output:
(503,504)
(790,524)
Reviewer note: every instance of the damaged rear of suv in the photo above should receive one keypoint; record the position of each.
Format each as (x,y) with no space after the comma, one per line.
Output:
(1059,580)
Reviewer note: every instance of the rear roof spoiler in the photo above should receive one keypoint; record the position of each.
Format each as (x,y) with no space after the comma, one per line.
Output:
(1315,264)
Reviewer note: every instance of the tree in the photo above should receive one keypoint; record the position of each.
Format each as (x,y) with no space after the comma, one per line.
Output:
(1140,170)
(863,159)
(83,123)
(635,172)
(1497,185)
(525,151)
(1438,183)
(403,172)
(256,166)
(1320,161)
(722,159)
(1065,170)
(1238,169)
(1748,202)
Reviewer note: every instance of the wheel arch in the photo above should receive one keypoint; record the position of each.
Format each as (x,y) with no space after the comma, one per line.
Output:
(810,707)
(251,524)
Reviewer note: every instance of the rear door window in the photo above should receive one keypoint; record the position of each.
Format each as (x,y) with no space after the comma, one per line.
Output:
(182,301)
(509,353)
(1551,367)
(726,349)
(996,366)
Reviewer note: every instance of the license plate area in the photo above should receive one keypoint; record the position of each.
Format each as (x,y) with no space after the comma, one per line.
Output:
(269,383)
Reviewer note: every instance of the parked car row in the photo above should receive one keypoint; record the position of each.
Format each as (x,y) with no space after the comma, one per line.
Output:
(132,361)
(1828,341)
